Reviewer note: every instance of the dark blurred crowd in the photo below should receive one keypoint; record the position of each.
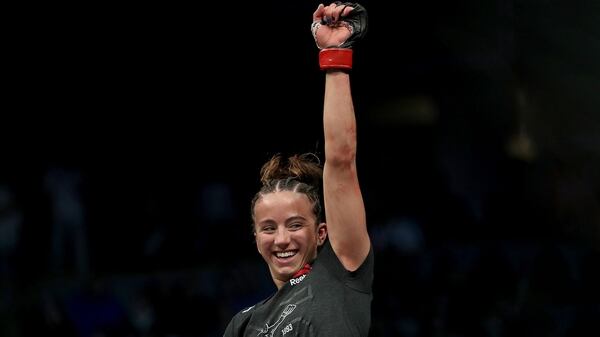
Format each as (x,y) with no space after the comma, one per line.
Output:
(183,267)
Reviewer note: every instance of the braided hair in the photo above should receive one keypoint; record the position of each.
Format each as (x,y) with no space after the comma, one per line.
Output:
(300,173)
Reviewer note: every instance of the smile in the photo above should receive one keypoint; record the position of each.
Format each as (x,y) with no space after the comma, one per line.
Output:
(286,254)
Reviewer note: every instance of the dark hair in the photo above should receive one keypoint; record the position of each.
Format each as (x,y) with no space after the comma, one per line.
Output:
(300,173)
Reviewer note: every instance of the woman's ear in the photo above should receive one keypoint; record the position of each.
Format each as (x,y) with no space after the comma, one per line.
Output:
(256,242)
(257,245)
(321,233)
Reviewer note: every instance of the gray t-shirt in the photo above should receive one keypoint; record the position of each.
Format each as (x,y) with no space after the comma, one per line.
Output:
(328,301)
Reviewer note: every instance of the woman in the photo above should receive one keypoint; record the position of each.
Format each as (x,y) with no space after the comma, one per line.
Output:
(323,270)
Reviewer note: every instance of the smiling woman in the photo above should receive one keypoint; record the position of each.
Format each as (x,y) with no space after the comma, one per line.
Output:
(323,271)
(287,217)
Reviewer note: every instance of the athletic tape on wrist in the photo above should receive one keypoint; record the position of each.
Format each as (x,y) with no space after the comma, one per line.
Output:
(335,59)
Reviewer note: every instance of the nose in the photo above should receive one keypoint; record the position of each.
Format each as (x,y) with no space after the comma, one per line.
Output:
(282,237)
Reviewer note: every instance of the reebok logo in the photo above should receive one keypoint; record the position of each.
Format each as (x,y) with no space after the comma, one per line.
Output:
(297,280)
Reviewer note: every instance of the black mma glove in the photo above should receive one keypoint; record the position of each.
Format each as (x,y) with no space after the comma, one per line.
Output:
(338,56)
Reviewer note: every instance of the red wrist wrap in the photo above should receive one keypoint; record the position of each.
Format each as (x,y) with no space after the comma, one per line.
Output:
(335,58)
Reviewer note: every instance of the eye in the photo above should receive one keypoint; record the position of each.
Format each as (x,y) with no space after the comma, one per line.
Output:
(268,229)
(295,225)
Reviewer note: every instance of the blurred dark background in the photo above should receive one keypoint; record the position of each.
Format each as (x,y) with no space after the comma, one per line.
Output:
(133,136)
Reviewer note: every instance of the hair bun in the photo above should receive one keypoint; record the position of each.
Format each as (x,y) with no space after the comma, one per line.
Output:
(305,168)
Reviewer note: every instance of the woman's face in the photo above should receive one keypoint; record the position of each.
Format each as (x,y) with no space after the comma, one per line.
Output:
(286,233)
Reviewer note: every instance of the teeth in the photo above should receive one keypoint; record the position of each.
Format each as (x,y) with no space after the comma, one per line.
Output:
(285,254)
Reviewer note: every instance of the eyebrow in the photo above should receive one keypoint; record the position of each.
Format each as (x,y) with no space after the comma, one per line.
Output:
(294,218)
(287,221)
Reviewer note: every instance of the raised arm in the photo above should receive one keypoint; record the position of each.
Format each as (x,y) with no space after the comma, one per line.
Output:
(334,28)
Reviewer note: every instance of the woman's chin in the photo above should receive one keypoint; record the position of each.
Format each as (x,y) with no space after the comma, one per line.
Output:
(286,273)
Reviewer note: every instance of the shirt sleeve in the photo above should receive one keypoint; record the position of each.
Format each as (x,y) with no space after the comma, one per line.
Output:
(229,330)
(359,280)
